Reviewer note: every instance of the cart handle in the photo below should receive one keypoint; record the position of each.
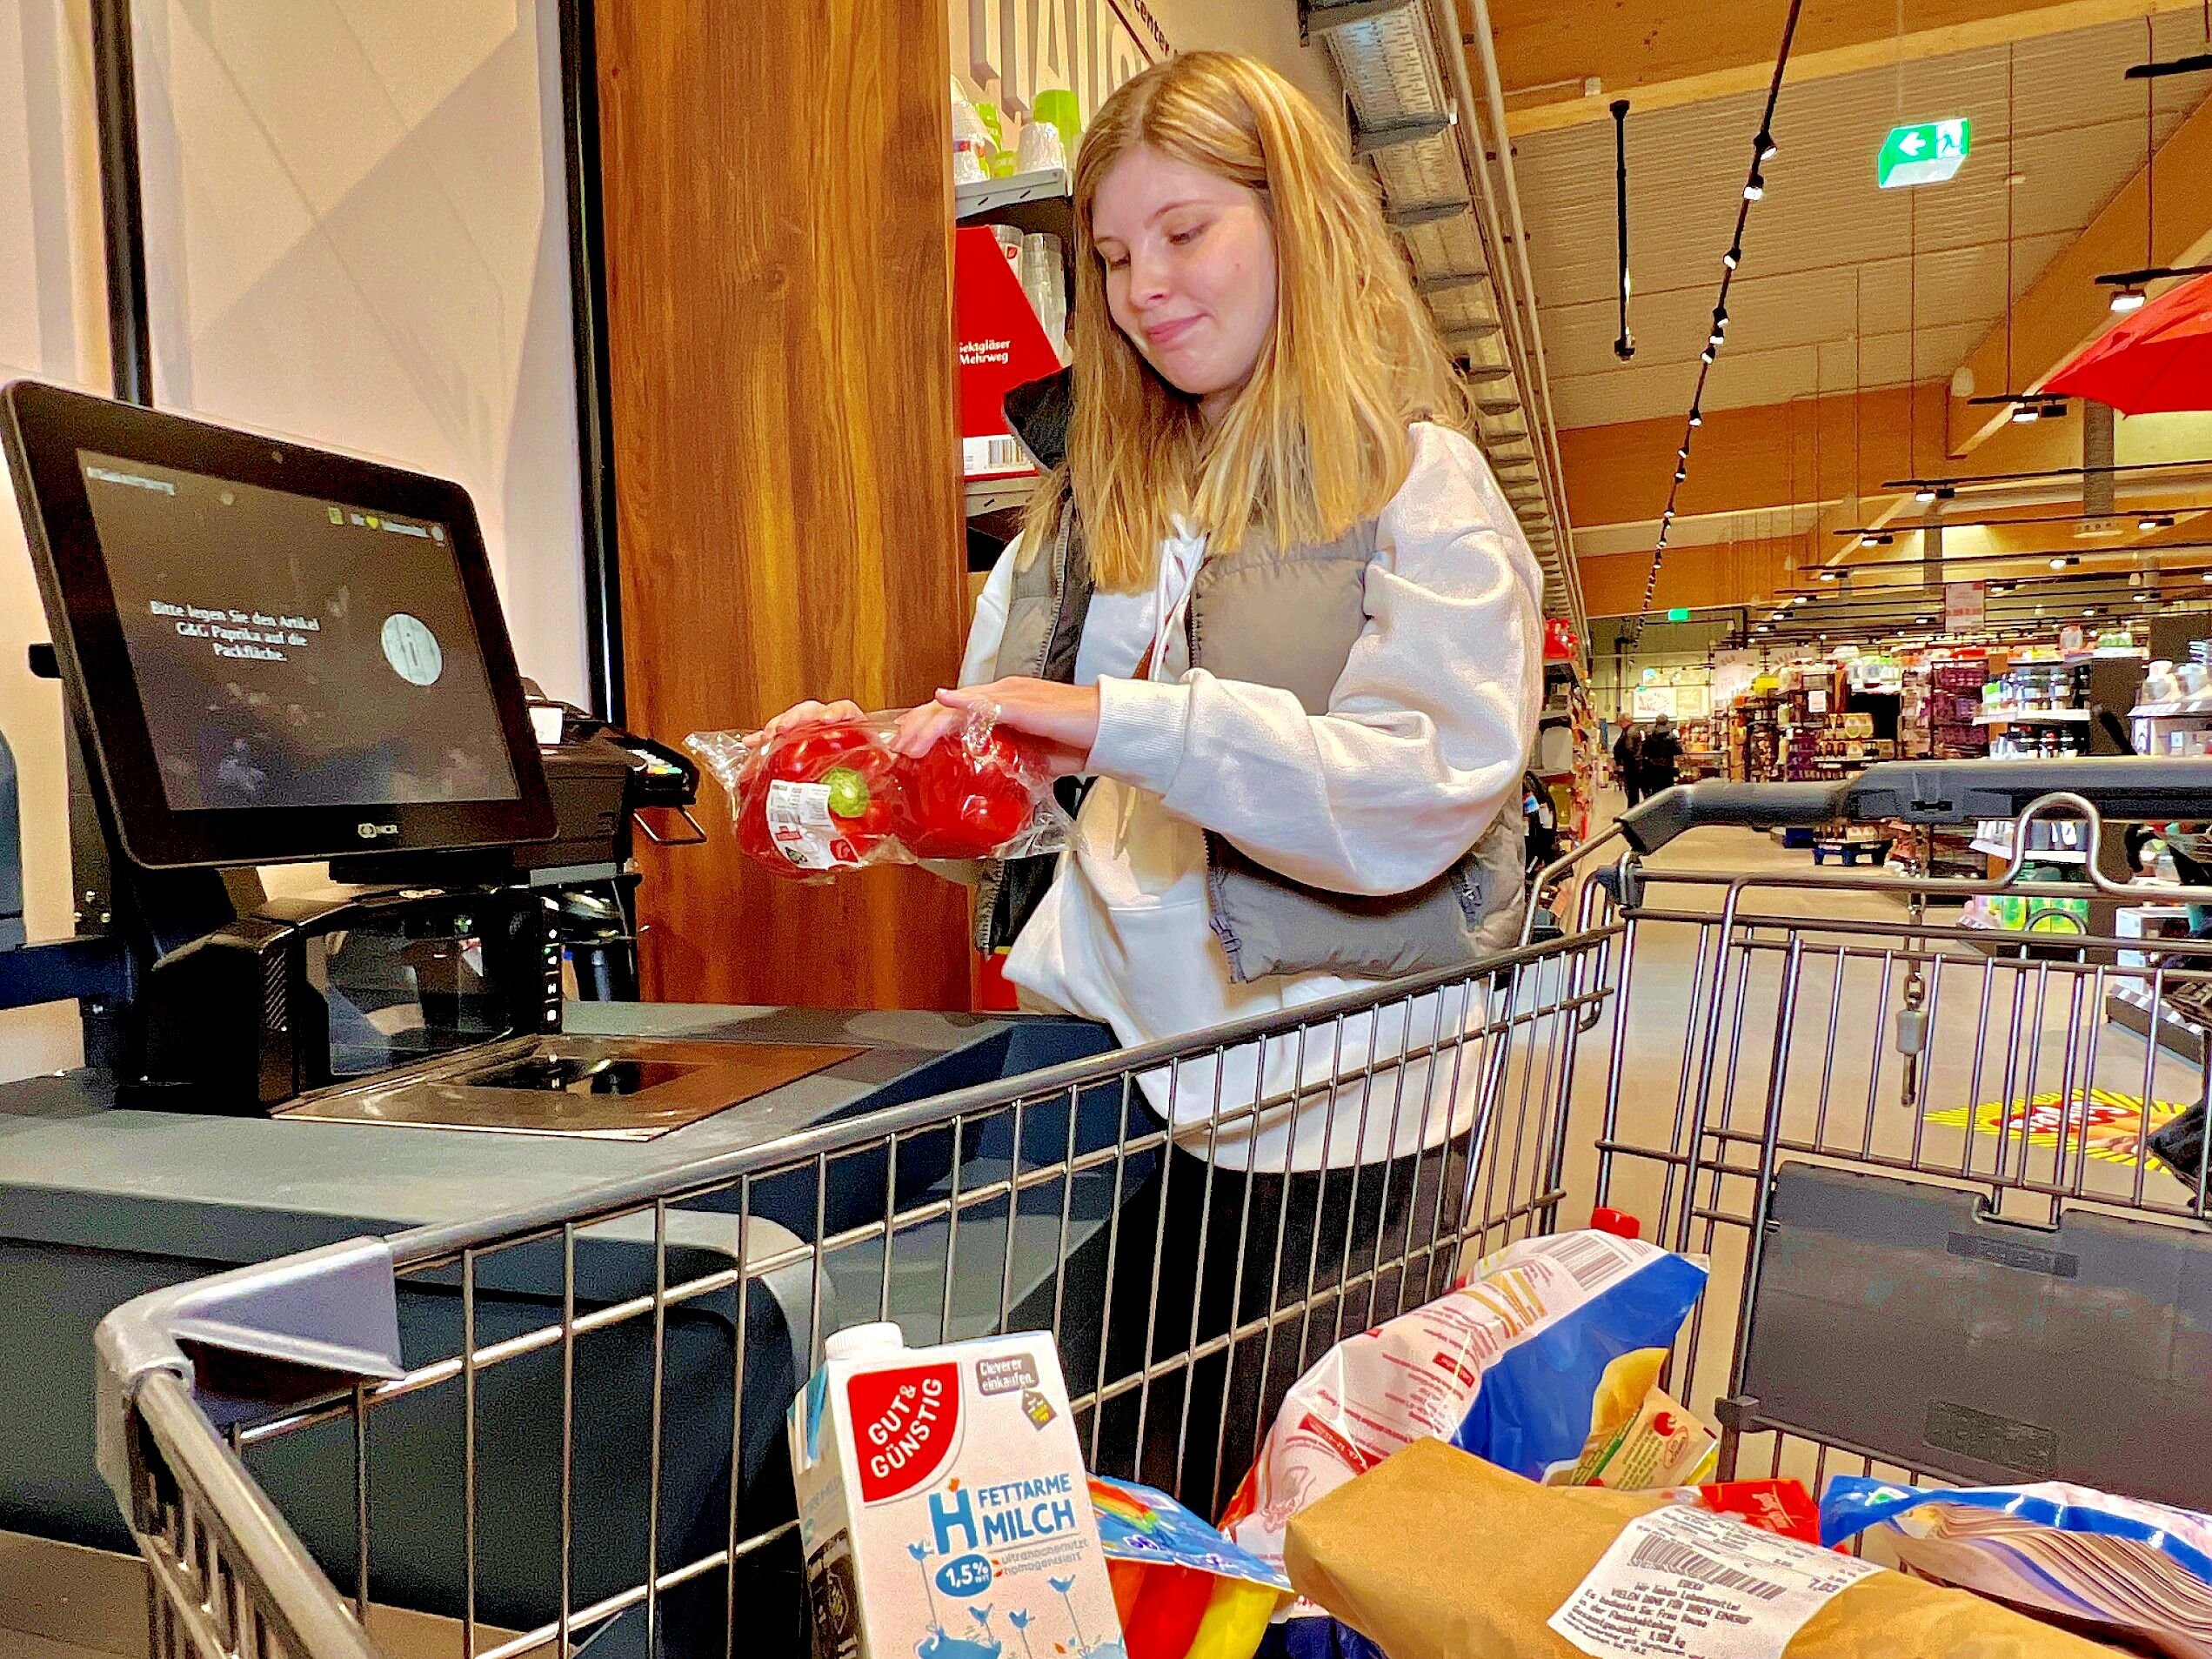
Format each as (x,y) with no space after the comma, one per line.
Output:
(2127,788)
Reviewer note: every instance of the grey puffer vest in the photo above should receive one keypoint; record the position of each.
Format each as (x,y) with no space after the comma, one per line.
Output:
(1287,621)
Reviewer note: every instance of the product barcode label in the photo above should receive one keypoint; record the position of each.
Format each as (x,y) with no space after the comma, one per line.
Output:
(1690,1563)
(1594,1259)
(981,455)
(1685,1581)
(800,826)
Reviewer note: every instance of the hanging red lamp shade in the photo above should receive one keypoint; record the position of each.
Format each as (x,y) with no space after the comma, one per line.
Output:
(2153,361)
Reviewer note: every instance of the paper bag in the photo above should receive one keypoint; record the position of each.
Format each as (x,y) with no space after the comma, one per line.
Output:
(1437,1555)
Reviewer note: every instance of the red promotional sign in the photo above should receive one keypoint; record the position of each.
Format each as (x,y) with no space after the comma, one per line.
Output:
(1002,346)
(904,1425)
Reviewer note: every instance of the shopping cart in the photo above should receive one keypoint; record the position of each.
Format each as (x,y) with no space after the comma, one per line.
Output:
(1941,1247)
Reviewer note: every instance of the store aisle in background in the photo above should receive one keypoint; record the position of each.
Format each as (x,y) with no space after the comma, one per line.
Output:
(2008,1040)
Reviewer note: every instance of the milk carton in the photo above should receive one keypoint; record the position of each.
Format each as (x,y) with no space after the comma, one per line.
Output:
(943,1504)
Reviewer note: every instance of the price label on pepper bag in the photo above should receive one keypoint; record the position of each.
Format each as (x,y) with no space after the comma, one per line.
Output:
(800,826)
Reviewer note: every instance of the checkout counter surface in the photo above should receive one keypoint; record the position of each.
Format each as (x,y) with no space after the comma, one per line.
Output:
(99,1204)
(75,1170)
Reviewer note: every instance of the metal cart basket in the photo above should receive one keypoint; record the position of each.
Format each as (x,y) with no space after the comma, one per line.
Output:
(1919,1157)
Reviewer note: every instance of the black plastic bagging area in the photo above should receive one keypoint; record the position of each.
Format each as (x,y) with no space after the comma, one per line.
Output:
(1903,1321)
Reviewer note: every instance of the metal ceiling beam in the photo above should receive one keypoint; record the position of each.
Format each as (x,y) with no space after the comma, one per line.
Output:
(1317,17)
(1451,280)
(1409,99)
(1415,214)
(1368,141)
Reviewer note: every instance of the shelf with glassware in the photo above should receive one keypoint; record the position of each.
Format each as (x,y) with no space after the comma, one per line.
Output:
(1004,343)
(1013,202)
(1040,203)
(1568,747)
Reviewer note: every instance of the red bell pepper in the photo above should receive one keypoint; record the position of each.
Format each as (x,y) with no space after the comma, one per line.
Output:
(804,753)
(963,802)
(860,775)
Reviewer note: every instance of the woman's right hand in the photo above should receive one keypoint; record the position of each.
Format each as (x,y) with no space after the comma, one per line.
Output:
(923,726)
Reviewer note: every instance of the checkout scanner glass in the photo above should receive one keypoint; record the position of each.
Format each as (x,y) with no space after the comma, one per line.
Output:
(278,654)
(406,987)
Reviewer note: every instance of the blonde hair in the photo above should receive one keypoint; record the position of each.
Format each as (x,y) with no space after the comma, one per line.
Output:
(1316,440)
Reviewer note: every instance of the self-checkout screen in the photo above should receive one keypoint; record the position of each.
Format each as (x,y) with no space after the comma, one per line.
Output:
(293,650)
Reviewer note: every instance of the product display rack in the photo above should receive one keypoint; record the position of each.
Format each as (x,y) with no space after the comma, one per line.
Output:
(1754,739)
(1038,204)
(1704,747)
(1938,712)
(1567,708)
(1914,740)
(2182,1030)
(1937,851)
(2179,727)
(1035,204)
(1955,710)
(2050,706)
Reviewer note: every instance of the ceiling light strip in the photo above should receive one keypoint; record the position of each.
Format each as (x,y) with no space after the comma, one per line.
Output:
(1754,189)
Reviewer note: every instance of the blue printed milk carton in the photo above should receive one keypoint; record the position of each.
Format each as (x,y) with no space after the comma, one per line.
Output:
(943,1504)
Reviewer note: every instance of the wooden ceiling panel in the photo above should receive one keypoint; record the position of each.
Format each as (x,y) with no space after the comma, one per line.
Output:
(1826,254)
(1669,53)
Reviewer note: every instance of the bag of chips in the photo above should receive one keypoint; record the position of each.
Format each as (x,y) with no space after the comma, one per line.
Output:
(1550,1342)
(2117,1566)
(830,795)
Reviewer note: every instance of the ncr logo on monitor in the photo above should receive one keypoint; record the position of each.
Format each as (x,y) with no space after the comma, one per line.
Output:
(373,832)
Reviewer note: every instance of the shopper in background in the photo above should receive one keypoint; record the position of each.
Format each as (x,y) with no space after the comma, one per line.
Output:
(1627,759)
(1661,759)
(1271,600)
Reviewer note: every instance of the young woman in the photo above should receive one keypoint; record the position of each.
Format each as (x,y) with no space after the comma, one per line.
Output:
(1271,603)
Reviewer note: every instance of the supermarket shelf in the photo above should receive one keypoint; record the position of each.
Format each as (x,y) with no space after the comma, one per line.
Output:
(2194,709)
(999,495)
(994,196)
(2037,717)
(2036,855)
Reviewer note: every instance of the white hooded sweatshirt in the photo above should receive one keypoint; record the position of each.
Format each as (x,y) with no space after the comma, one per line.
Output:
(1423,745)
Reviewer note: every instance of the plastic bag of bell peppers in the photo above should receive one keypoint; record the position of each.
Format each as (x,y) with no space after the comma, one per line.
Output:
(832,796)
(1181,1589)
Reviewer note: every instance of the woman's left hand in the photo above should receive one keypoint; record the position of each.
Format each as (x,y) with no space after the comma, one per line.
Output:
(1063,718)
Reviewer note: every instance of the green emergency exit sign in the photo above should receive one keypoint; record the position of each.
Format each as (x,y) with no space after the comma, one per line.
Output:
(1928,152)
(1679,614)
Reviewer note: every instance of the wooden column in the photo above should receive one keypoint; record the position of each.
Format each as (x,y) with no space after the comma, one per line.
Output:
(778,255)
